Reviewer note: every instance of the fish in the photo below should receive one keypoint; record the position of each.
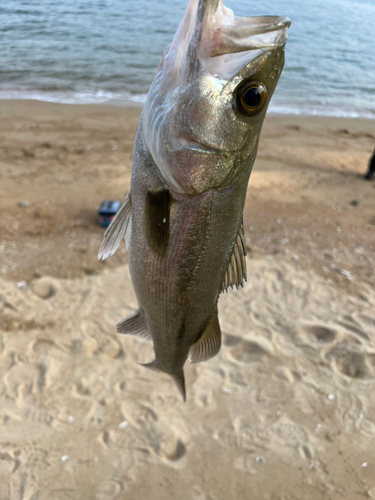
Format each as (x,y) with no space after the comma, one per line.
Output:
(194,150)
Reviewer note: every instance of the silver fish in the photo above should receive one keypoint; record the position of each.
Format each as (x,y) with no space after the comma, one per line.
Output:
(195,147)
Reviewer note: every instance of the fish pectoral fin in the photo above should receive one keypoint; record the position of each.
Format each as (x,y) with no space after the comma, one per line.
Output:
(134,325)
(156,219)
(236,273)
(208,344)
(119,228)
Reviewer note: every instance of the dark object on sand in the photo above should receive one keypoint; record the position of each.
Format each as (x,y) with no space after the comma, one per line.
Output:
(371,167)
(107,211)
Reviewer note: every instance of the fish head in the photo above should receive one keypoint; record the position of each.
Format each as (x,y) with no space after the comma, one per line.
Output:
(206,106)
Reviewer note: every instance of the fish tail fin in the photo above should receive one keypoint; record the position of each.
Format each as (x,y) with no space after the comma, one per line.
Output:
(151,366)
(179,379)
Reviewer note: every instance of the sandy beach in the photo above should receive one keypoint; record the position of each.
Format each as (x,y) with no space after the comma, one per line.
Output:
(286,411)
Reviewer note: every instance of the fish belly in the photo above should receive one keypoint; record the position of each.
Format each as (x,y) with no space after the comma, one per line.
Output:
(178,291)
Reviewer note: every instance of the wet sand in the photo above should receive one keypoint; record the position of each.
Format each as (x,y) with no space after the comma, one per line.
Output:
(286,411)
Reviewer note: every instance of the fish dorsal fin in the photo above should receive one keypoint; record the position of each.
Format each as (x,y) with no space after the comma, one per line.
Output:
(208,344)
(236,273)
(134,325)
(119,228)
(156,217)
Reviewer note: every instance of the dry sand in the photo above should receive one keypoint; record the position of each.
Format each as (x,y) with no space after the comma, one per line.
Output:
(286,411)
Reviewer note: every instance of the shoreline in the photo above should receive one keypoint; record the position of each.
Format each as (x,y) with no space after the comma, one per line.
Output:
(139,101)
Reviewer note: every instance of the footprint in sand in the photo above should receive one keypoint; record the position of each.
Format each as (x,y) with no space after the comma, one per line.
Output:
(286,374)
(346,352)
(43,346)
(350,325)
(309,333)
(21,380)
(139,415)
(44,288)
(110,489)
(347,356)
(171,448)
(248,352)
(82,388)
(231,340)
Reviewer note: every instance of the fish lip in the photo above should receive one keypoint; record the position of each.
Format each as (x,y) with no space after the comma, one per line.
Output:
(247,28)
(281,22)
(259,25)
(191,145)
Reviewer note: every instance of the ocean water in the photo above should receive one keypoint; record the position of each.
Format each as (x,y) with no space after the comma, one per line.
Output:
(97,50)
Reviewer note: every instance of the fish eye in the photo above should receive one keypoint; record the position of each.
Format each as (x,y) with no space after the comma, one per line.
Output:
(250,98)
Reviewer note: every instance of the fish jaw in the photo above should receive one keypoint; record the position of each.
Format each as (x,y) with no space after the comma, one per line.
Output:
(189,119)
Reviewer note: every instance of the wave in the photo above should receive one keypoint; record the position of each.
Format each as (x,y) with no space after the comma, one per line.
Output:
(63,97)
(311,111)
(127,99)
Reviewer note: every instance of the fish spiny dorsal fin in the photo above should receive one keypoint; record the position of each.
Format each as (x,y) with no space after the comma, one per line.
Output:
(236,273)
(119,228)
(208,344)
(134,325)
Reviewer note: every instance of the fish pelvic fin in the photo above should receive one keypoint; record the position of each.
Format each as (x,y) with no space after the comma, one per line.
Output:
(134,325)
(119,228)
(178,379)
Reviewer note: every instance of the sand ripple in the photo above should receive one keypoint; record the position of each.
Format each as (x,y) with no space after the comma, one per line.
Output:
(291,392)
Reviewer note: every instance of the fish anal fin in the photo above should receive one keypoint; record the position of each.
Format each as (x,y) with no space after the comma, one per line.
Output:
(236,273)
(119,228)
(134,325)
(208,344)
(156,217)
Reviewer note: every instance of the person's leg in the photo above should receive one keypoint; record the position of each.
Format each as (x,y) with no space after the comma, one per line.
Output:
(371,168)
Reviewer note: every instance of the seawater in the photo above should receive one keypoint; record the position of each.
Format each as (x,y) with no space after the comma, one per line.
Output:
(98,50)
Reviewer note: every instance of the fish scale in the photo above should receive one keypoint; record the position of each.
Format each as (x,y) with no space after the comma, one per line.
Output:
(195,147)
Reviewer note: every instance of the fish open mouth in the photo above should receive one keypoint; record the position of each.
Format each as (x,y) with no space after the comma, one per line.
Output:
(225,43)
(250,33)
(236,43)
